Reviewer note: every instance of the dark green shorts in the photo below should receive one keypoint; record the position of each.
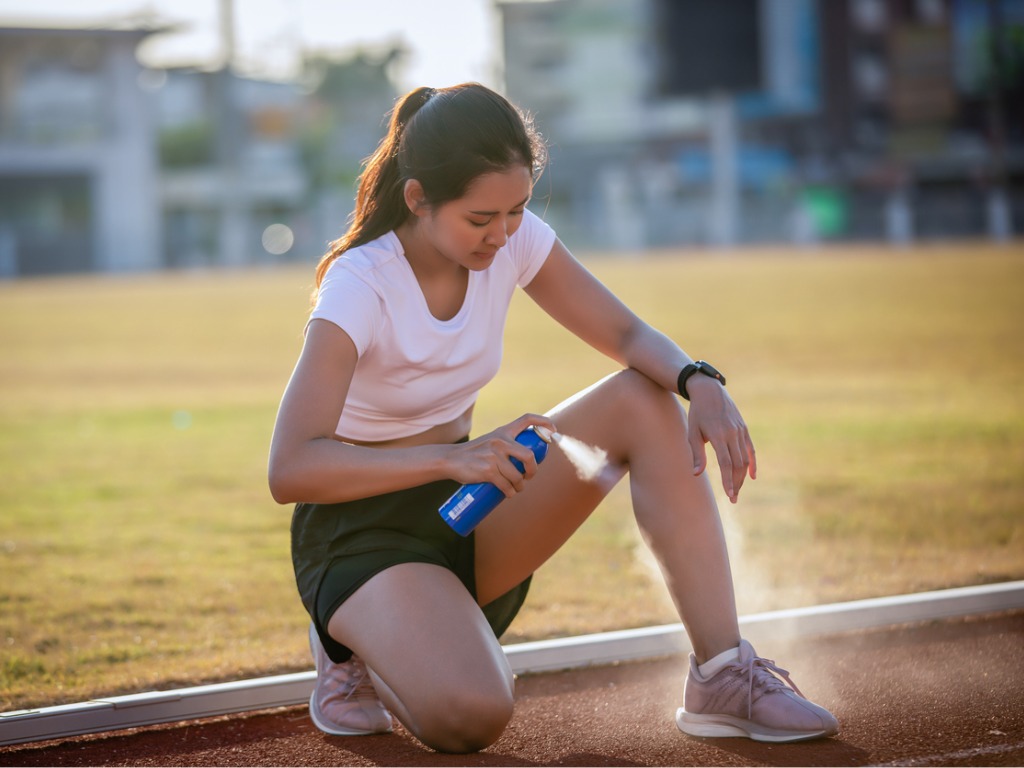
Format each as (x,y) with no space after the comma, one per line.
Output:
(336,548)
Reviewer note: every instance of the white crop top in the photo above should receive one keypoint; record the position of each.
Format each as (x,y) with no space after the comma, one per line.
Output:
(415,371)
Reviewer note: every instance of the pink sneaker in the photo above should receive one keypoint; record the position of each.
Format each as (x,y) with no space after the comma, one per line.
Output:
(747,699)
(344,701)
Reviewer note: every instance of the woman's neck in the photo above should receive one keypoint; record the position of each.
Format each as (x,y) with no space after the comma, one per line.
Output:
(442,282)
(426,261)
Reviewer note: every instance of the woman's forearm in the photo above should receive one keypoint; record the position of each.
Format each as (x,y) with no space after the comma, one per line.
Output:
(326,471)
(654,354)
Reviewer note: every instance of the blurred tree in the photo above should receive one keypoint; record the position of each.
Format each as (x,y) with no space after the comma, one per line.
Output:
(344,119)
(187,146)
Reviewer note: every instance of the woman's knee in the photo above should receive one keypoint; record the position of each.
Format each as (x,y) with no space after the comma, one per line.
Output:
(466,721)
(638,400)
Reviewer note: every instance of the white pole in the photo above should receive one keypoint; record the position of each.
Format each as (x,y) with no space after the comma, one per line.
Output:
(725,199)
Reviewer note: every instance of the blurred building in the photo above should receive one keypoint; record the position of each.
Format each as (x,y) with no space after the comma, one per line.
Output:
(923,115)
(698,122)
(254,171)
(79,180)
(106,165)
(233,185)
(769,120)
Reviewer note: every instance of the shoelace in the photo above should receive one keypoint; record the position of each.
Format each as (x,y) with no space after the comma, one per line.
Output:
(353,681)
(761,670)
(362,685)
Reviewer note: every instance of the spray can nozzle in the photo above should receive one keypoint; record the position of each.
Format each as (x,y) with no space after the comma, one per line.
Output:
(546,434)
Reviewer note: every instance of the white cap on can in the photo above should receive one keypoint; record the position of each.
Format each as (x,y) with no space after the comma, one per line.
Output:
(545,434)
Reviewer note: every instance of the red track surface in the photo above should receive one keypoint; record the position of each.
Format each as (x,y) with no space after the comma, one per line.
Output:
(949,693)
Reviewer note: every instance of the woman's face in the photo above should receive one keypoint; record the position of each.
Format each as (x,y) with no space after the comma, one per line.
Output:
(471,229)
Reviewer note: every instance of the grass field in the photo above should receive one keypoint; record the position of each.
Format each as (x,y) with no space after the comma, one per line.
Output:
(139,547)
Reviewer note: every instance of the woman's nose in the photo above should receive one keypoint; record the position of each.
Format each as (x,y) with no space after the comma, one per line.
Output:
(497,233)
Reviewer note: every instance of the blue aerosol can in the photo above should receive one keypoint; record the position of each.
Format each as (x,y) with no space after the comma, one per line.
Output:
(472,503)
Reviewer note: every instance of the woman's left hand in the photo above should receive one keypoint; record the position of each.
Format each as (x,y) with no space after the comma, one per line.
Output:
(715,419)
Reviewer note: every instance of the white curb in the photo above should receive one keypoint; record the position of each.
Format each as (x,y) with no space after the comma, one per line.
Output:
(119,712)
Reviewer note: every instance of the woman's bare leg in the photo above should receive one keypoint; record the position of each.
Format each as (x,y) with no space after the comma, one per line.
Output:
(436,663)
(643,428)
(434,658)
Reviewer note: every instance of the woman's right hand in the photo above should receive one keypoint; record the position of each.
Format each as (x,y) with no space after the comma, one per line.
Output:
(488,458)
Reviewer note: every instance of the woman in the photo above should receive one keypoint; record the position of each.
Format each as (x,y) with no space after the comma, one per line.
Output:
(372,437)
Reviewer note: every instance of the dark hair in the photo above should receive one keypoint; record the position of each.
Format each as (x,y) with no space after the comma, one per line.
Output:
(444,139)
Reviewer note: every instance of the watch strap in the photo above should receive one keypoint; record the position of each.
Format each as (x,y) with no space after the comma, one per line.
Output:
(700,366)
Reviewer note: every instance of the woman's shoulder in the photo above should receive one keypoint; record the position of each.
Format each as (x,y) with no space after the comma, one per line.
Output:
(530,245)
(532,219)
(365,260)
(355,290)
(534,227)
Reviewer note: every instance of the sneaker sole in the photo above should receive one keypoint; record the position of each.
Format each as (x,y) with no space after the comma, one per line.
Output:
(723,726)
(334,730)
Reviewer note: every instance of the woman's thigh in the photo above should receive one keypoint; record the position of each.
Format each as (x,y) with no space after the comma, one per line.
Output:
(435,657)
(528,528)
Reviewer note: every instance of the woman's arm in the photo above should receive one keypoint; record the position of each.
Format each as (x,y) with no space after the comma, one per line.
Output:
(308,464)
(568,292)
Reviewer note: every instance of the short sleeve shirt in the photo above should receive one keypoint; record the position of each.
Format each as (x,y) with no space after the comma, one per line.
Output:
(415,371)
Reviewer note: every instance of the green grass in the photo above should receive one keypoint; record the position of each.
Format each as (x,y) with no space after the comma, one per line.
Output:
(139,547)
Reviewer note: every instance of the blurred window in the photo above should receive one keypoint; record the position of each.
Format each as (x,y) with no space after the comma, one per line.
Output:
(58,92)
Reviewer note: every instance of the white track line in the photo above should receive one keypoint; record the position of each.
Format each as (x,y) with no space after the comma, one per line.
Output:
(962,754)
(119,712)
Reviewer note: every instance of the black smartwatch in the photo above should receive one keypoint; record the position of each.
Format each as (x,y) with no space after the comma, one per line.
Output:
(698,367)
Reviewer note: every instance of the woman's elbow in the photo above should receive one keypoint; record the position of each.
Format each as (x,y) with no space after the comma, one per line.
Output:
(280,495)
(282,485)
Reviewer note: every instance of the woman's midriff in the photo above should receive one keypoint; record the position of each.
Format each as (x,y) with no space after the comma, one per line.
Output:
(448,433)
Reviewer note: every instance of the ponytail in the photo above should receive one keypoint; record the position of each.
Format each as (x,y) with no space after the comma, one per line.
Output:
(445,139)
(380,201)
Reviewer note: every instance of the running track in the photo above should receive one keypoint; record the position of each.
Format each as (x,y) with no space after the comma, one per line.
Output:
(942,693)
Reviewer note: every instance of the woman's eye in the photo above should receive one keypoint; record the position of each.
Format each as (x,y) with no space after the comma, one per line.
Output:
(487,222)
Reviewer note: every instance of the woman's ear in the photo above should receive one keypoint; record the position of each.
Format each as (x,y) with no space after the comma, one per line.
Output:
(415,198)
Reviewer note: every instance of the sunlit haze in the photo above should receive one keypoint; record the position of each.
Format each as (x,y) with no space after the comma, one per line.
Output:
(448,42)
